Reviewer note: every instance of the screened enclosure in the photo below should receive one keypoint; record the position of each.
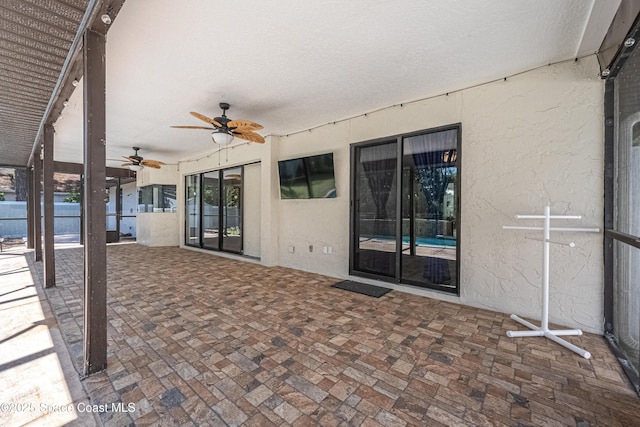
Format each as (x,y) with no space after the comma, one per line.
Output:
(622,215)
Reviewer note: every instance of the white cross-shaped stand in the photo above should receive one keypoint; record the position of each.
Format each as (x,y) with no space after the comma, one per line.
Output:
(543,330)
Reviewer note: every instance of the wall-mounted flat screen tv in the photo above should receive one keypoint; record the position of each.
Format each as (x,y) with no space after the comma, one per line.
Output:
(309,177)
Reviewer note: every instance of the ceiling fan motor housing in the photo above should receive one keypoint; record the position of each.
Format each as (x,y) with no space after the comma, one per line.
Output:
(224,106)
(135,156)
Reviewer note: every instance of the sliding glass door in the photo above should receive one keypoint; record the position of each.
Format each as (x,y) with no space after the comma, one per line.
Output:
(211,210)
(429,220)
(214,210)
(405,201)
(376,178)
(192,210)
(232,212)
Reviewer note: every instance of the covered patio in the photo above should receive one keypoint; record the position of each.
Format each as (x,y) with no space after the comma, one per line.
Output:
(223,312)
(201,340)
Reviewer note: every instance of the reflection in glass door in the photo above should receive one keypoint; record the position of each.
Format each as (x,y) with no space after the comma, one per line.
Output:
(192,210)
(211,210)
(429,209)
(375,182)
(232,213)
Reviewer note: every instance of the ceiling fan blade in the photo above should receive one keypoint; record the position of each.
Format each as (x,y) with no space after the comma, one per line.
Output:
(192,127)
(249,136)
(152,163)
(127,164)
(205,119)
(244,125)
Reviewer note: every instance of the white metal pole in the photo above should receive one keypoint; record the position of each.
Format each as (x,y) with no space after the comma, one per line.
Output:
(543,330)
(545,270)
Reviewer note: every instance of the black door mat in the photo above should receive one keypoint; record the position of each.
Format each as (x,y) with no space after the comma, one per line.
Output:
(361,288)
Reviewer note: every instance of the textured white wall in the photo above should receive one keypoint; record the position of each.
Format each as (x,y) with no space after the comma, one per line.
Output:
(167,174)
(539,142)
(532,140)
(251,201)
(157,229)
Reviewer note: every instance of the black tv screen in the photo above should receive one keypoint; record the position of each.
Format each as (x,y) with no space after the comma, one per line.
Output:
(309,177)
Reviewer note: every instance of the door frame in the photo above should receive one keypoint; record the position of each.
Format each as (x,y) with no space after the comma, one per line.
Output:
(221,196)
(353,226)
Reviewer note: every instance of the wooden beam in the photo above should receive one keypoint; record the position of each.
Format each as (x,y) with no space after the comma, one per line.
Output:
(95,235)
(37,210)
(78,169)
(82,209)
(30,199)
(48,184)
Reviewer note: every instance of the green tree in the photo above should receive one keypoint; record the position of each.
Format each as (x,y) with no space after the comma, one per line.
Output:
(73,197)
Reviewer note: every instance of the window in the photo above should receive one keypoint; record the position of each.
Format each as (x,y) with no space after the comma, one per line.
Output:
(157,198)
(405,199)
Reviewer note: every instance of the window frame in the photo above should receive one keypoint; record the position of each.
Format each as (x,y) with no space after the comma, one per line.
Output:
(353,226)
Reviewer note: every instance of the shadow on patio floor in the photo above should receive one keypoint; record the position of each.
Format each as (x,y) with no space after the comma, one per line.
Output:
(39,384)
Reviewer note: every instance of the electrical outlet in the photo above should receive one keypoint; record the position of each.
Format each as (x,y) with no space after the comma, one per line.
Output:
(330,250)
(292,249)
(325,250)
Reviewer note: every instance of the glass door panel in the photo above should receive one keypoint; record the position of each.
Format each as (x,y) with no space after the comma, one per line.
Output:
(232,210)
(376,178)
(626,299)
(211,207)
(429,210)
(192,210)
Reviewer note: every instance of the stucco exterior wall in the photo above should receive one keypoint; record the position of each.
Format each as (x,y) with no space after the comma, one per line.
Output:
(251,210)
(532,140)
(157,229)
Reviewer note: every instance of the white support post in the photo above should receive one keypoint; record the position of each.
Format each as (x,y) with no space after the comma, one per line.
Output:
(543,330)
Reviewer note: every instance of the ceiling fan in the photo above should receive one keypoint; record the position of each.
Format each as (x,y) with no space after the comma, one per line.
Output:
(225,129)
(136,162)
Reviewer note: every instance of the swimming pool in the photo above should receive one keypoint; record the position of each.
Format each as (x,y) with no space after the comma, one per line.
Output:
(421,241)
(431,241)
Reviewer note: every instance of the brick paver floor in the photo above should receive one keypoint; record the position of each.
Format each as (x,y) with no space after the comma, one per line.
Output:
(197,339)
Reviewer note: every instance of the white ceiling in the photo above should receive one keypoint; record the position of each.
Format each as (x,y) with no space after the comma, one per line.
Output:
(292,65)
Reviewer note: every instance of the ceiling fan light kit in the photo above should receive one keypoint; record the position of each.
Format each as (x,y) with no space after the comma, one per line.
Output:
(221,137)
(225,129)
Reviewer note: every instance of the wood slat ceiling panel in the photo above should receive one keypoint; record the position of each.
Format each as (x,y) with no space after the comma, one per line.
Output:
(21,49)
(35,38)
(35,11)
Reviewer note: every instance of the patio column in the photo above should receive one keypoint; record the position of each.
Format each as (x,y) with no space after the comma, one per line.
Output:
(49,254)
(270,198)
(37,211)
(30,199)
(94,213)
